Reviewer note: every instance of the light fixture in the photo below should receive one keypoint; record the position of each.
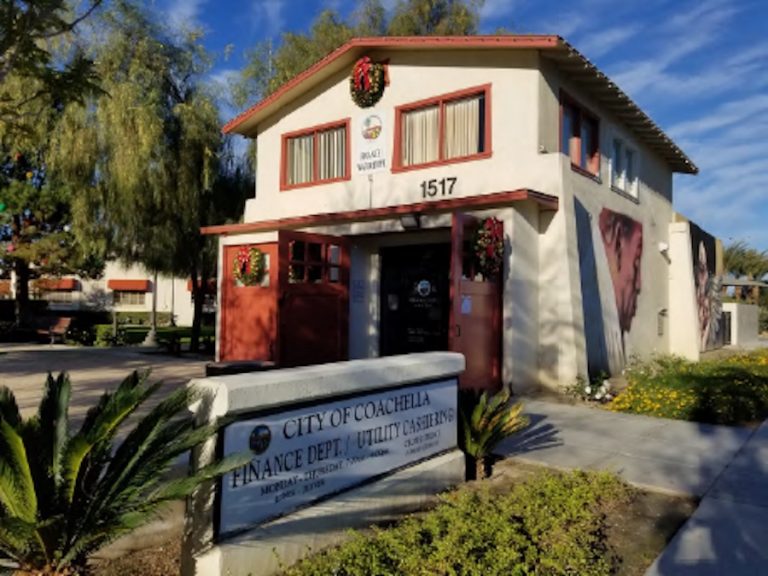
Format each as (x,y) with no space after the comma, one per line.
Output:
(411,221)
(663,247)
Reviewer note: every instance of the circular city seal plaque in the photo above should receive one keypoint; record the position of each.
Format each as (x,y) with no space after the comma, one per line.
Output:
(424,288)
(259,440)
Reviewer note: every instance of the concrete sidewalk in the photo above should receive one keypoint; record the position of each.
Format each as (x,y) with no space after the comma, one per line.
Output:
(726,467)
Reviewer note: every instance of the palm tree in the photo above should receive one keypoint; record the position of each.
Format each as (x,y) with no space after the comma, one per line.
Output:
(63,496)
(484,422)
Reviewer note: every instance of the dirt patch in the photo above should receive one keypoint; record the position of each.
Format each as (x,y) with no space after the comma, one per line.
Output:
(163,560)
(638,530)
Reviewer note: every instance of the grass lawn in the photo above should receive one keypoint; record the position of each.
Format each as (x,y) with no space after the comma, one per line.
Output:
(525,520)
(732,390)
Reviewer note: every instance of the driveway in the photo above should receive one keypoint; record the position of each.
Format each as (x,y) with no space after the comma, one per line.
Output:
(23,369)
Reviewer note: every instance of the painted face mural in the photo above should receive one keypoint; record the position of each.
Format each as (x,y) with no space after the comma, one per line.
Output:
(708,305)
(623,241)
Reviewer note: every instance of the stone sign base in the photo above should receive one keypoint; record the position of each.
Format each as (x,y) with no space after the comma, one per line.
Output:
(291,538)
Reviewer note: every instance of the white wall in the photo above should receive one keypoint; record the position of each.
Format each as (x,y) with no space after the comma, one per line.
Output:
(515,161)
(745,321)
(684,331)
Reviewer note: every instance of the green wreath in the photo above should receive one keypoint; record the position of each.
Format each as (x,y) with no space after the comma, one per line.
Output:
(366,85)
(248,266)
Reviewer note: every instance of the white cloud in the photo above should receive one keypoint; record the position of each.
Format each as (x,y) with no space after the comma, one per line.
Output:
(268,17)
(735,112)
(602,42)
(493,9)
(184,14)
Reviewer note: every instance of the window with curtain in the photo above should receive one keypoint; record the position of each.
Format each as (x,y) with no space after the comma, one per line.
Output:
(623,171)
(443,129)
(580,136)
(316,156)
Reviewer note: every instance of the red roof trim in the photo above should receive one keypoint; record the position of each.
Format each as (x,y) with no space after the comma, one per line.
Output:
(509,41)
(477,202)
(129,285)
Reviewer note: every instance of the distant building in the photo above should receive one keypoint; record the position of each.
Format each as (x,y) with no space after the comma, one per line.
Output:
(124,289)
(387,169)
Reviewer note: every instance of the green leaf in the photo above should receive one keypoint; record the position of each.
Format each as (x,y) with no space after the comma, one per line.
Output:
(17,489)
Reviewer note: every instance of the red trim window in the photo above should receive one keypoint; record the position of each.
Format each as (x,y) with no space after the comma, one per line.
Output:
(450,128)
(580,130)
(315,155)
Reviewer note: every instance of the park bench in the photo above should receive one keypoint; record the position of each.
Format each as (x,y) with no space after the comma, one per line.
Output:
(54,327)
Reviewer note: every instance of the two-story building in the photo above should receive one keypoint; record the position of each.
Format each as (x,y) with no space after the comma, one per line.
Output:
(395,177)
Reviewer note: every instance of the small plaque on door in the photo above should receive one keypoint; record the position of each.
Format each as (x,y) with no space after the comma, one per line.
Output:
(466,305)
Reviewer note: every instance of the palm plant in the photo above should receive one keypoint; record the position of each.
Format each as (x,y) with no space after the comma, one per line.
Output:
(486,421)
(63,496)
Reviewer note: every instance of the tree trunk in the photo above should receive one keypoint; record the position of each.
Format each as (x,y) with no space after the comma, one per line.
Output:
(21,307)
(199,287)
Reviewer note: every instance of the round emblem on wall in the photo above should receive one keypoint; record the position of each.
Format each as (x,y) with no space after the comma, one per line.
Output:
(259,439)
(371,127)
(424,288)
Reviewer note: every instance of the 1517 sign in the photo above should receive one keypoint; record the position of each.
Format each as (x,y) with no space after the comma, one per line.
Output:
(438,187)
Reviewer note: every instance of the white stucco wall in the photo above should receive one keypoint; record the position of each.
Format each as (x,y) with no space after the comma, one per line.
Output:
(515,162)
(684,332)
(744,323)
(544,323)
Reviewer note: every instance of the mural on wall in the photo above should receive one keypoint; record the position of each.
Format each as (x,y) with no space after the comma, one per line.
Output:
(623,242)
(707,285)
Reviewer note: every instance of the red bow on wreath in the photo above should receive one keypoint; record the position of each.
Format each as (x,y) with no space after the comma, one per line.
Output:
(361,74)
(243,259)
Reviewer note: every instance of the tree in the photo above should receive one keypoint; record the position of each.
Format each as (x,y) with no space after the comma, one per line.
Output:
(36,234)
(269,68)
(64,495)
(30,52)
(161,165)
(742,260)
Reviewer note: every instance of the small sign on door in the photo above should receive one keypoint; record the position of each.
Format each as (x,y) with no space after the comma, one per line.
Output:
(466,305)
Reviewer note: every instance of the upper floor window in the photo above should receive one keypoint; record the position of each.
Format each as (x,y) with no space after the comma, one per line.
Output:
(448,128)
(128,298)
(624,167)
(315,155)
(580,136)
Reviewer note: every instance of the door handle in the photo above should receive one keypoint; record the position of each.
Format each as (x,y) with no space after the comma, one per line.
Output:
(457,331)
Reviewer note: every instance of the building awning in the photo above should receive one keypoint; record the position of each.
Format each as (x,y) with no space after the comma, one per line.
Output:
(479,202)
(57,284)
(129,285)
(744,282)
(210,286)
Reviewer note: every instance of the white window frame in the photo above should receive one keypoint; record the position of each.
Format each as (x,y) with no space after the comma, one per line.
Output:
(618,168)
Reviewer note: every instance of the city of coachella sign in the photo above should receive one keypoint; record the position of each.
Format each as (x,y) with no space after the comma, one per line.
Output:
(306,454)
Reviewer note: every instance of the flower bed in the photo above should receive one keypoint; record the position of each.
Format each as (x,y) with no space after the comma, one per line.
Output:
(732,391)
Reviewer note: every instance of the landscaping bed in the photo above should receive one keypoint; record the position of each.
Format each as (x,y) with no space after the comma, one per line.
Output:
(731,390)
(524,520)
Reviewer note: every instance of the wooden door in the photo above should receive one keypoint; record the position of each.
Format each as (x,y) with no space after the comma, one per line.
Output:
(475,324)
(248,326)
(313,301)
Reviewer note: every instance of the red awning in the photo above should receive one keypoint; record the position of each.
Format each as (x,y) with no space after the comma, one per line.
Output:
(57,284)
(129,285)
(5,287)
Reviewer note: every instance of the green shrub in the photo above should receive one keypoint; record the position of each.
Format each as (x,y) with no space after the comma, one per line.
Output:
(66,494)
(484,422)
(730,391)
(551,524)
(81,335)
(763,319)
(105,335)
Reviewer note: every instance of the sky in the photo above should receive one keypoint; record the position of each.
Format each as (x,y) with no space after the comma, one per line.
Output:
(699,68)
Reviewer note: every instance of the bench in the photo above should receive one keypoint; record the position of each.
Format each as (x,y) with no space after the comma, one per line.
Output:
(54,327)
